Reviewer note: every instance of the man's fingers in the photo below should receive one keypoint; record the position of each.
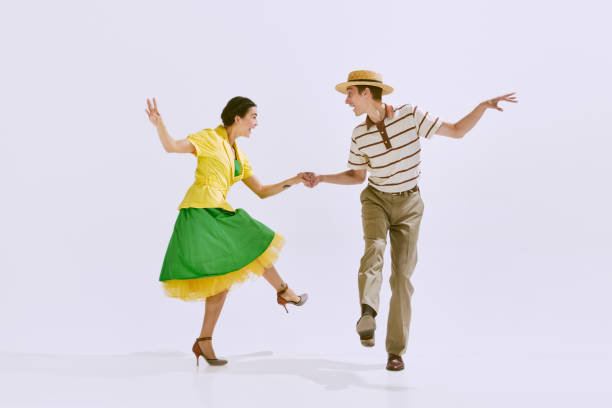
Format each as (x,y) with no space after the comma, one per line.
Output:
(511,97)
(155,104)
(506,97)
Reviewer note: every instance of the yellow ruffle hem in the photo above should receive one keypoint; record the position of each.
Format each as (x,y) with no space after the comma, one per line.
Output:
(201,288)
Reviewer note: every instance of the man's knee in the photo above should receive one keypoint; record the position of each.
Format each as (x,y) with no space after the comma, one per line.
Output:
(401,282)
(375,245)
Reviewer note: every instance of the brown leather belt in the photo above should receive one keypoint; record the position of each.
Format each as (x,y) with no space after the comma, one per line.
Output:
(407,192)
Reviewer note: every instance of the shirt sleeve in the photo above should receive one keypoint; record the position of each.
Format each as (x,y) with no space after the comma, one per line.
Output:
(248,170)
(356,159)
(426,123)
(199,140)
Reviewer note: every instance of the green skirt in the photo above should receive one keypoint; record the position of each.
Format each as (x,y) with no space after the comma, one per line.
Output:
(211,249)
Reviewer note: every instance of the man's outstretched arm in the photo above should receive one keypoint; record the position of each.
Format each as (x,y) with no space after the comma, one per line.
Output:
(346,177)
(459,129)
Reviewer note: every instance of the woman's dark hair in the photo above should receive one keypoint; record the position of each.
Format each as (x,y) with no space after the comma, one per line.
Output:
(238,105)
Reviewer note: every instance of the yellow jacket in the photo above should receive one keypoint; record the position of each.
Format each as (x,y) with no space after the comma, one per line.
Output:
(215,170)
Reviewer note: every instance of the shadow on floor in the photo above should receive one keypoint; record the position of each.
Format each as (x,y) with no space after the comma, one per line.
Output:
(330,374)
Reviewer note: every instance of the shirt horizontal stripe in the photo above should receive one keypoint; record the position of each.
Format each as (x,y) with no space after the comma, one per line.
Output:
(400,133)
(397,161)
(393,149)
(393,184)
(398,172)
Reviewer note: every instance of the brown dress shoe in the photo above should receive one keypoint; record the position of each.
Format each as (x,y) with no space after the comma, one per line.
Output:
(395,363)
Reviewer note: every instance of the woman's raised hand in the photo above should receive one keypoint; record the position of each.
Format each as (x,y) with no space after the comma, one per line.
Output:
(153,113)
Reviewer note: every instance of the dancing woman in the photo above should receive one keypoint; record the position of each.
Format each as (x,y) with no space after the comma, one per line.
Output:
(214,246)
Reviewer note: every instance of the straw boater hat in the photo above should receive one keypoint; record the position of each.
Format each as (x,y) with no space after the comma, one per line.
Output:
(364,77)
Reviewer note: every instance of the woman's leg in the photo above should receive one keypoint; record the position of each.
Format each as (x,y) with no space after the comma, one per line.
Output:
(276,281)
(212,310)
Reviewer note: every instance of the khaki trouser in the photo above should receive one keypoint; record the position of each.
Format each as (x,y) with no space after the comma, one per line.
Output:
(400,216)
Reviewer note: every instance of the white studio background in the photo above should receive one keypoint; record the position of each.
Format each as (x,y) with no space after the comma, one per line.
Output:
(514,246)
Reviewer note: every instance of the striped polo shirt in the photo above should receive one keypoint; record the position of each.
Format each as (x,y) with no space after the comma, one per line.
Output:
(390,149)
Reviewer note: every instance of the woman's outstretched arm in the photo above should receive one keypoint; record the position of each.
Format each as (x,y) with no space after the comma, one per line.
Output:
(170,145)
(267,191)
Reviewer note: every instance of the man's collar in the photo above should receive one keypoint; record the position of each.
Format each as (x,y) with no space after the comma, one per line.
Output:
(388,114)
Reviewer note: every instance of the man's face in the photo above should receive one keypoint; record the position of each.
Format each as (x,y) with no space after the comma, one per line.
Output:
(356,100)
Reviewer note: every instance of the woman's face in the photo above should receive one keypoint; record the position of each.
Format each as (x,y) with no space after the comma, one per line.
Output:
(248,123)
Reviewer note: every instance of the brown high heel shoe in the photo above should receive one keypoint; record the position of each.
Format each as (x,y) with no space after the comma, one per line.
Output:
(283,302)
(198,352)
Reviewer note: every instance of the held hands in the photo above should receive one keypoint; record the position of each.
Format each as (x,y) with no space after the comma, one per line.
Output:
(492,103)
(309,179)
(153,113)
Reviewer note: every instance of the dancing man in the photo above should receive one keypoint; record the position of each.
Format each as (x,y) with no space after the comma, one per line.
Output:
(387,145)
